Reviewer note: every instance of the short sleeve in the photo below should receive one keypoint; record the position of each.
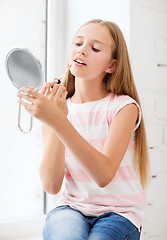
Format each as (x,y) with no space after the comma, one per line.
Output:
(119,103)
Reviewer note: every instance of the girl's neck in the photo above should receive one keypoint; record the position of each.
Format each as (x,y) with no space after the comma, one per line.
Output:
(88,91)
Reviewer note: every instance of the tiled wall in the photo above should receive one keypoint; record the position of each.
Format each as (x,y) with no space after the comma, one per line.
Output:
(148,51)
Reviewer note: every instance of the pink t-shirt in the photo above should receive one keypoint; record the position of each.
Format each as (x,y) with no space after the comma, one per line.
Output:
(124,194)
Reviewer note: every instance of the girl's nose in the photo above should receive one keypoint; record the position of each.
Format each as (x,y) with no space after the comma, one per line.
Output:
(82,50)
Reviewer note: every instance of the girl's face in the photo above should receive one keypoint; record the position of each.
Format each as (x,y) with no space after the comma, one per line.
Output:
(91,52)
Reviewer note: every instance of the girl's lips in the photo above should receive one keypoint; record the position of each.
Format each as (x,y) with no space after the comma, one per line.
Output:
(79,62)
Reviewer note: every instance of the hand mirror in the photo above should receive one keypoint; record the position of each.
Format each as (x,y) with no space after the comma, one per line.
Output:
(24,70)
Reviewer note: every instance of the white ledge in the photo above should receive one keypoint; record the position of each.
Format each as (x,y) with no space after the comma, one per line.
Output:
(22,228)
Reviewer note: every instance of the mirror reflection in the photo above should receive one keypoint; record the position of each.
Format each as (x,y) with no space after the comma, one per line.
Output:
(24,69)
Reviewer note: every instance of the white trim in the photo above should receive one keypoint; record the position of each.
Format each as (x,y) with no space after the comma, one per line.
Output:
(22,228)
(56,30)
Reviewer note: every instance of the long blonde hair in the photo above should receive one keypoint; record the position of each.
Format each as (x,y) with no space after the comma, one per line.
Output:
(121,82)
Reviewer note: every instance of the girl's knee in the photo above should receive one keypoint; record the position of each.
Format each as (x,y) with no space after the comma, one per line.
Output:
(65,223)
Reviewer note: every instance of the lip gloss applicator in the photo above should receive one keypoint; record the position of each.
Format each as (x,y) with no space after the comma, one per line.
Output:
(62,75)
(45,87)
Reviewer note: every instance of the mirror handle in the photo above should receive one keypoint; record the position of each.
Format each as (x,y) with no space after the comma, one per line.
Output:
(19,120)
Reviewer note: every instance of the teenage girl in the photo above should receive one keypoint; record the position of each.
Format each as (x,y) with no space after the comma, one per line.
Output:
(95,148)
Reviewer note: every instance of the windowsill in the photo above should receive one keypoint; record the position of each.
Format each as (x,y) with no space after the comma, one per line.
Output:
(22,228)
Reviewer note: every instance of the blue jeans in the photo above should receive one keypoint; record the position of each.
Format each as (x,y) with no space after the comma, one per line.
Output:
(66,223)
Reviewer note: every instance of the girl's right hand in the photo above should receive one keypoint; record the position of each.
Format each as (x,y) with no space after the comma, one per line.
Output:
(57,94)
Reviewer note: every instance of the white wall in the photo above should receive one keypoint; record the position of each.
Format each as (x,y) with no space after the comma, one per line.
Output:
(148,48)
(80,12)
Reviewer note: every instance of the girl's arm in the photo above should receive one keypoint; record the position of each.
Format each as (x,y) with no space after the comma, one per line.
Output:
(101,166)
(53,160)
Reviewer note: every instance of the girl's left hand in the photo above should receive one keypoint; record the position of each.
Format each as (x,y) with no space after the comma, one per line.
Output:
(43,107)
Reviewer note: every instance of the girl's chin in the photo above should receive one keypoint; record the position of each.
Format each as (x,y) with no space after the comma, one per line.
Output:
(77,73)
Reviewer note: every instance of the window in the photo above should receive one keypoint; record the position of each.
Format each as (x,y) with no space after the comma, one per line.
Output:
(22,25)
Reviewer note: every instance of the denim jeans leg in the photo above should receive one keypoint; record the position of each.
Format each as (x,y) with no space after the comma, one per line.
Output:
(112,226)
(65,223)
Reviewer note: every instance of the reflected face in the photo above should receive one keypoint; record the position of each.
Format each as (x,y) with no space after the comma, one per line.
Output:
(91,52)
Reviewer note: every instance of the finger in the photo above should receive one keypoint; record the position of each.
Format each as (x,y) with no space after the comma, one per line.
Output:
(54,89)
(51,84)
(30,91)
(61,91)
(64,95)
(44,88)
(26,105)
(26,97)
(47,92)
(50,87)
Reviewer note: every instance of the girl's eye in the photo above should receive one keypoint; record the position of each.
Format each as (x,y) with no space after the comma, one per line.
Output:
(78,44)
(95,49)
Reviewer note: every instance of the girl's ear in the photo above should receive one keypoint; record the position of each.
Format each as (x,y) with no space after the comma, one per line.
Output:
(112,66)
